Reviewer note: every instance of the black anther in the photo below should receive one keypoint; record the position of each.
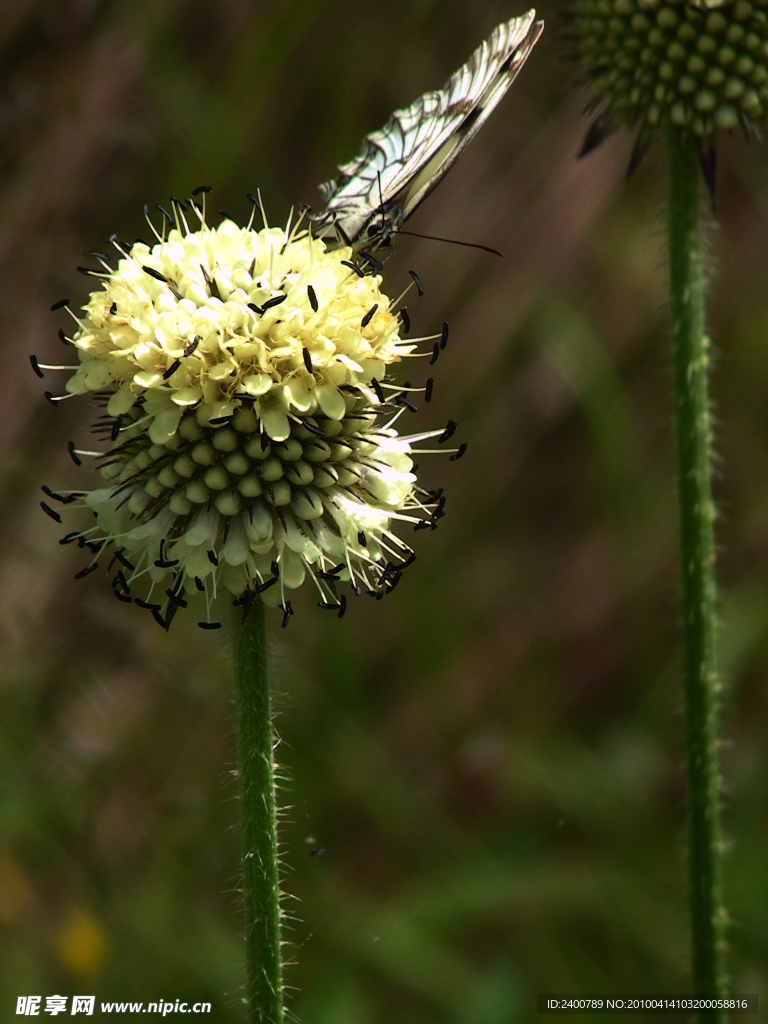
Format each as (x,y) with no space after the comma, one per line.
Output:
(402,399)
(353,266)
(371,259)
(50,512)
(449,431)
(123,560)
(369,315)
(88,569)
(73,454)
(417,282)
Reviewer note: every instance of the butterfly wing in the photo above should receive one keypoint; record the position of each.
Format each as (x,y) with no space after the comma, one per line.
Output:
(399,165)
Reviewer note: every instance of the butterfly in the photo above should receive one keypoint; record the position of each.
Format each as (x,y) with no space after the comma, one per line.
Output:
(400,164)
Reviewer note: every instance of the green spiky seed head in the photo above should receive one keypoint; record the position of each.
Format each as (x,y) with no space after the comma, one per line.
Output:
(697,67)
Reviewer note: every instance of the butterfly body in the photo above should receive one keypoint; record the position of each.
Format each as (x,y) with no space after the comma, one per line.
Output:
(400,164)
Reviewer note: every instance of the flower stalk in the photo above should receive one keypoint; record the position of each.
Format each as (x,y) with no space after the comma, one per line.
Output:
(249,444)
(256,775)
(691,359)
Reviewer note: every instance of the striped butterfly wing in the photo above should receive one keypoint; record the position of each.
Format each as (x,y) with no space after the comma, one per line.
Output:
(399,165)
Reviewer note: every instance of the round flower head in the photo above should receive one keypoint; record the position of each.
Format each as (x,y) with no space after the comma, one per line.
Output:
(251,439)
(697,66)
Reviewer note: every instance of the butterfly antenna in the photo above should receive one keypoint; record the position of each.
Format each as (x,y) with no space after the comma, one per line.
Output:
(451,241)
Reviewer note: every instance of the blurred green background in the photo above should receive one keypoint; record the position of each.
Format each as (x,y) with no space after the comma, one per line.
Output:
(491,757)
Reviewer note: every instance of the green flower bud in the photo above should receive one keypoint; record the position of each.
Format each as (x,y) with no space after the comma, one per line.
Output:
(655,61)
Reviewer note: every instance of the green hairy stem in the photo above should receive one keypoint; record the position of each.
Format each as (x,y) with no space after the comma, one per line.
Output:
(690,352)
(256,773)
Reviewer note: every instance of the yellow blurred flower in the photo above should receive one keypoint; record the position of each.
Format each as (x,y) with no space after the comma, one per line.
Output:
(81,943)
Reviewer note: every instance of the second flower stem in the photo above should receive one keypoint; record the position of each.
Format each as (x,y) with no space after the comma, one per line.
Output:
(256,773)
(691,358)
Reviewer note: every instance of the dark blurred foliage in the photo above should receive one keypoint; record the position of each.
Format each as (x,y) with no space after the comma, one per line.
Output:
(491,758)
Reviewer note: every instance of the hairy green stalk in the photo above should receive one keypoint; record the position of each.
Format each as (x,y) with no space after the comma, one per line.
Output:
(256,773)
(690,351)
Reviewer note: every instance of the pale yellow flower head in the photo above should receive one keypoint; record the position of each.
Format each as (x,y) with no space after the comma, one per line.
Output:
(251,441)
